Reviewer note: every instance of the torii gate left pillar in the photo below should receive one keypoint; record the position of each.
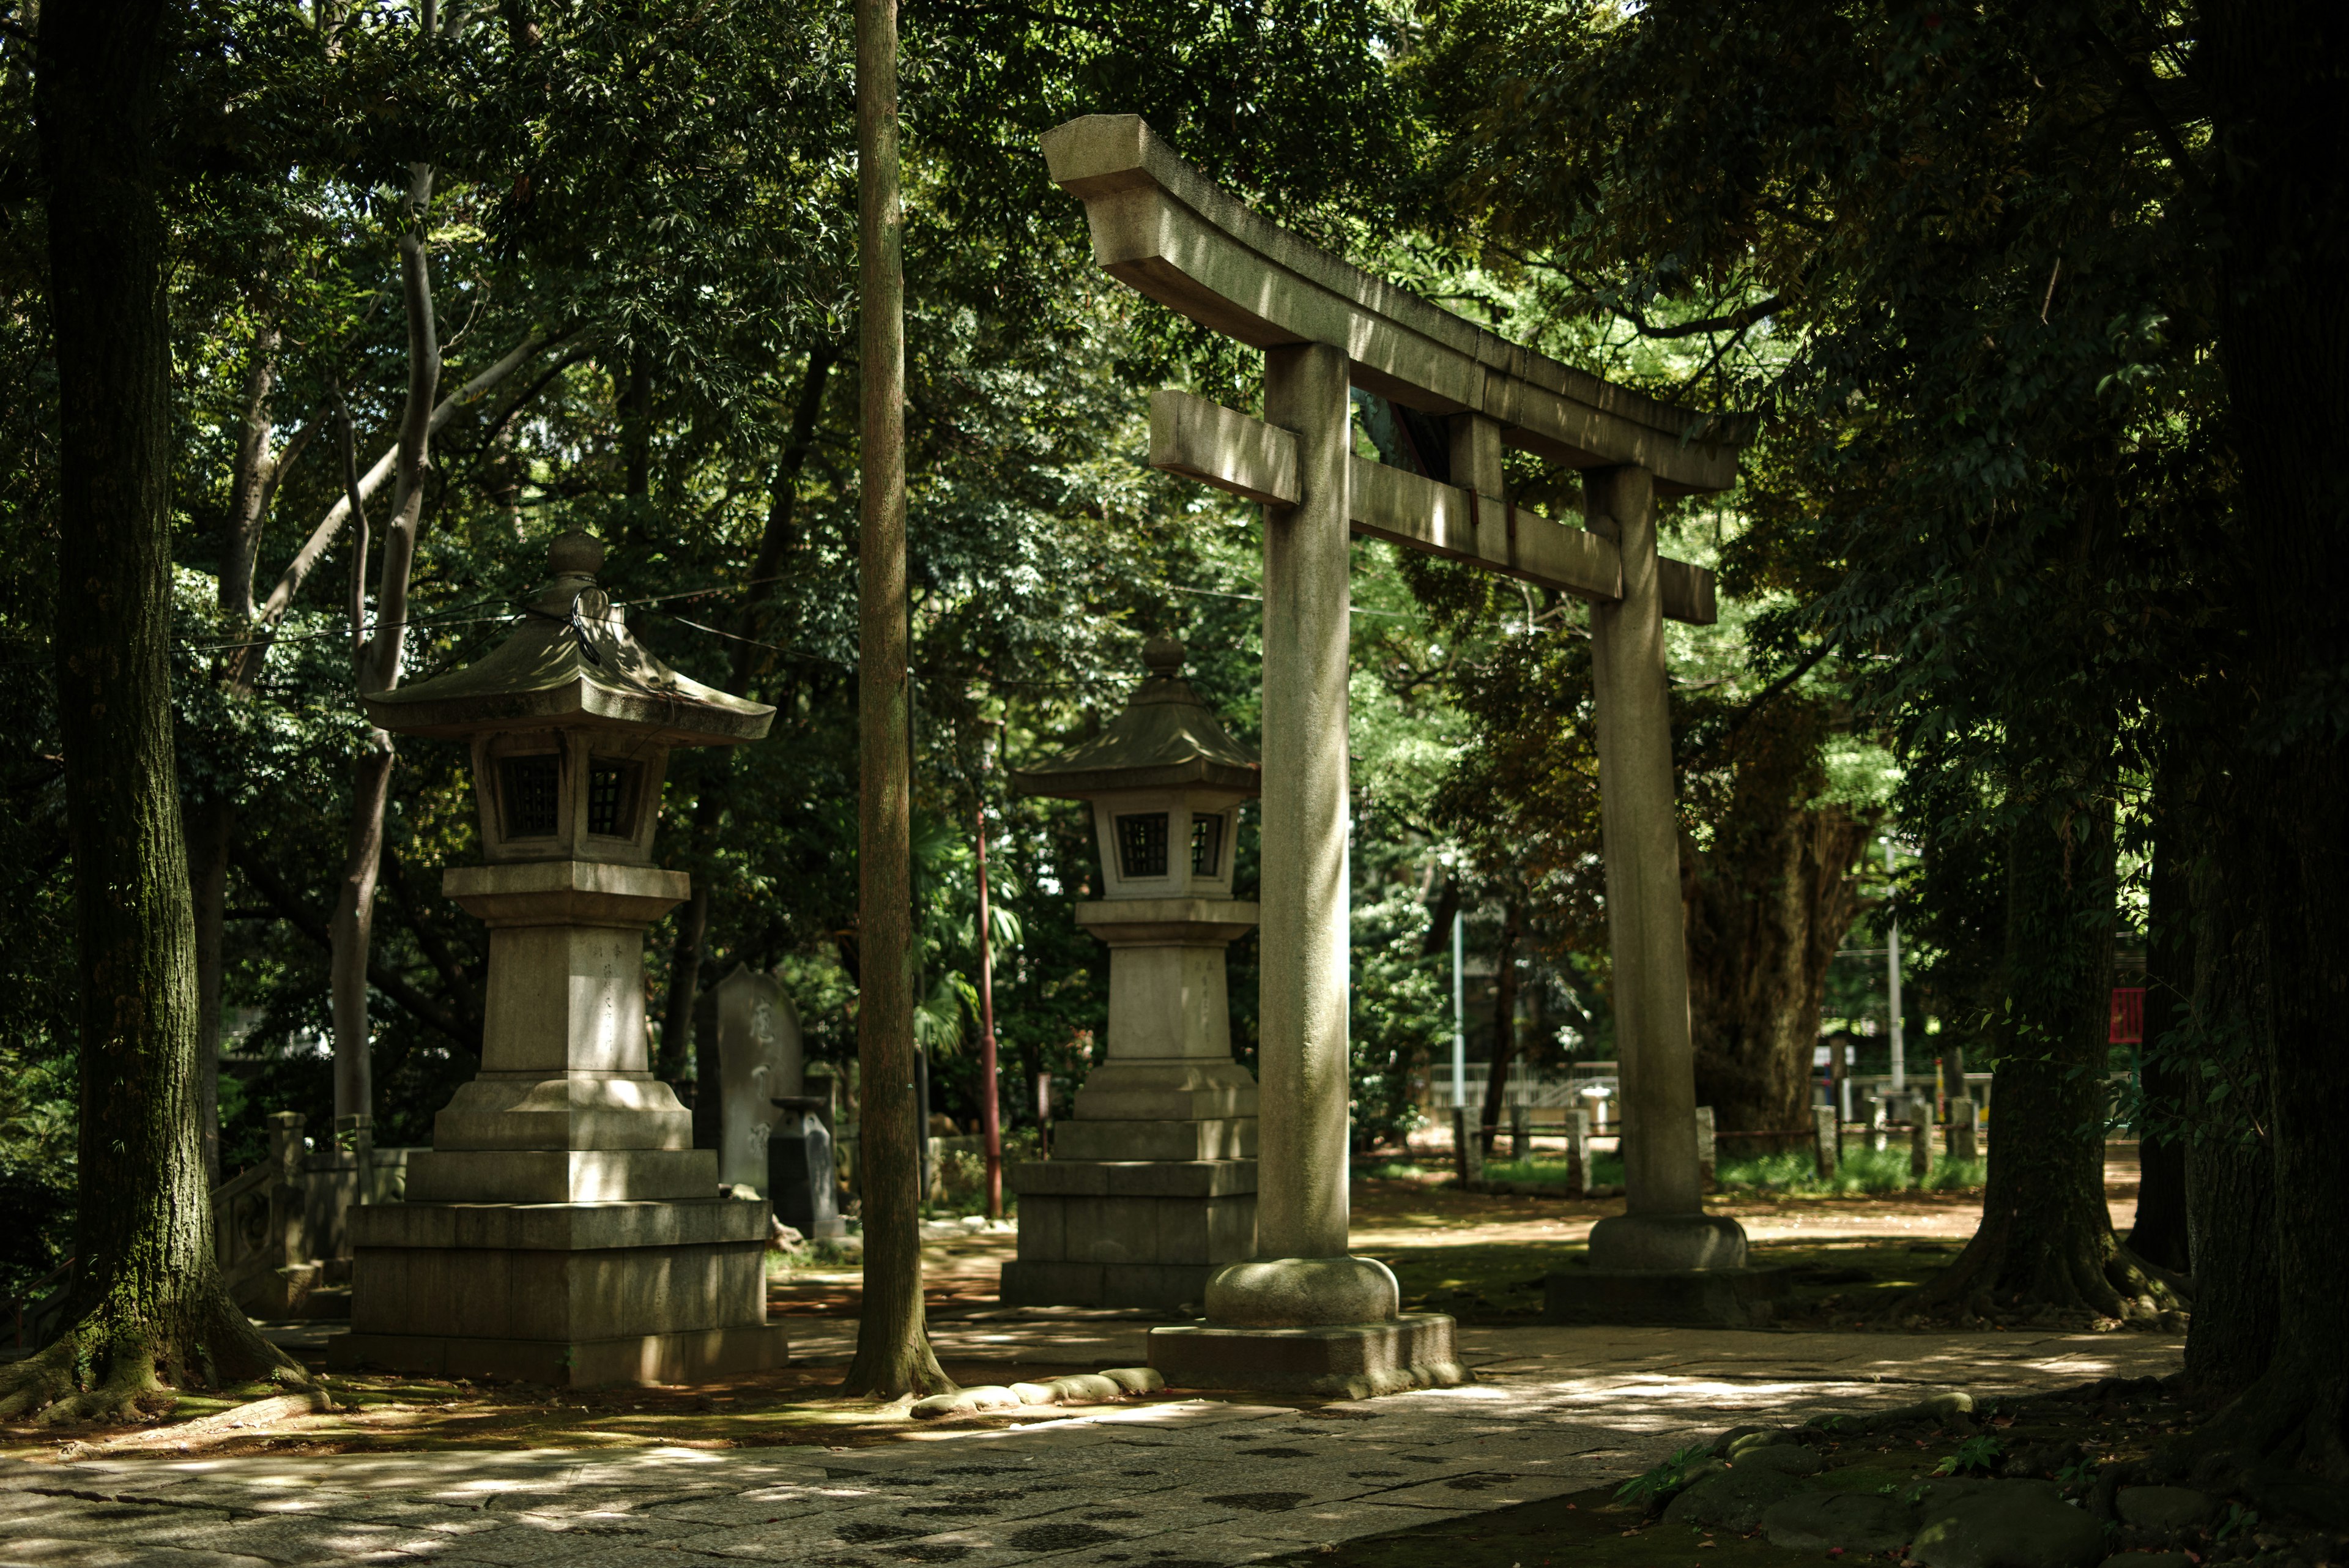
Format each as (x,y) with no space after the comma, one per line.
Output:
(1304,1314)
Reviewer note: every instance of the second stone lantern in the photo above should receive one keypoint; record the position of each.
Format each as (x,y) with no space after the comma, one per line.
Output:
(1152,1184)
(563,1229)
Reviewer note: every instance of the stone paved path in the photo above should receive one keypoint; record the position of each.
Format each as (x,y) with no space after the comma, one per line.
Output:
(1177,1484)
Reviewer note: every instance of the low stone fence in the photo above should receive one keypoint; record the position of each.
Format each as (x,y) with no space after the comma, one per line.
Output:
(281,1228)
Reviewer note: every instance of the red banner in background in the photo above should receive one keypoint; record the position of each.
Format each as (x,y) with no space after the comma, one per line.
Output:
(2128,1015)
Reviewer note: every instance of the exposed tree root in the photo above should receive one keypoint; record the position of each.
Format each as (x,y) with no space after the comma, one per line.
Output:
(2048,1286)
(104,1369)
(2283,1443)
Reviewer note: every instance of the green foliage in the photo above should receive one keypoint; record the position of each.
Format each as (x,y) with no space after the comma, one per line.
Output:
(1975,1456)
(1660,1481)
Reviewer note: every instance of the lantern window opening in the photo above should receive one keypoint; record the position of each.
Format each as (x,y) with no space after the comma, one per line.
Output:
(611,797)
(531,788)
(1207,843)
(1142,844)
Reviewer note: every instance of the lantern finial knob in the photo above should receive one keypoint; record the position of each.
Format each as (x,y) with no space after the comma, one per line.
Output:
(1163,656)
(577,554)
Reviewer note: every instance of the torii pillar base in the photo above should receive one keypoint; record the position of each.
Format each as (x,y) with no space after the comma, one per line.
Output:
(1310,1325)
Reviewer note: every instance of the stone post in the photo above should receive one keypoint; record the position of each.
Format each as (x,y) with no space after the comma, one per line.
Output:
(1521,1132)
(1921,1137)
(1578,1153)
(1467,1144)
(1827,1131)
(1965,1127)
(1708,1149)
(1664,1225)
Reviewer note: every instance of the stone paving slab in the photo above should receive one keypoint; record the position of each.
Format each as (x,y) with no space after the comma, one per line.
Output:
(1201,1482)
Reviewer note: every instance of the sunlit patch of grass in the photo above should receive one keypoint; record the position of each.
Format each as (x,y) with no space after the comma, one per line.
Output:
(1860,1171)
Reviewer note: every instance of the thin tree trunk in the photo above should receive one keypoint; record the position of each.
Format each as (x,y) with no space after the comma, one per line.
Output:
(351,929)
(212,821)
(378,662)
(1505,1026)
(750,659)
(250,486)
(147,1297)
(636,429)
(893,1347)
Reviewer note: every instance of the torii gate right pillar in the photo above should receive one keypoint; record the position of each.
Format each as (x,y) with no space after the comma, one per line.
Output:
(1664,1225)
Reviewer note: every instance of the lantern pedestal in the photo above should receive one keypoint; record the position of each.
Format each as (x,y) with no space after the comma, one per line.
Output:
(1151,1185)
(563,1229)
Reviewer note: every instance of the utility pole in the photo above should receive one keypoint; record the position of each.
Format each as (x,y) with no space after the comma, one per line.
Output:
(1460,1130)
(990,1118)
(1892,985)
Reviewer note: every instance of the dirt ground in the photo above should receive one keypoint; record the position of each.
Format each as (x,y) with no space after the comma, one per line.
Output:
(1480,1258)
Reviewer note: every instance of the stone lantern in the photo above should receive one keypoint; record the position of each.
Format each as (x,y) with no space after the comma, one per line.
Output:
(563,1229)
(1152,1184)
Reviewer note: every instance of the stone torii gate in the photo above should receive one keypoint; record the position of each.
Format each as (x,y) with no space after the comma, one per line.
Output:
(1325,326)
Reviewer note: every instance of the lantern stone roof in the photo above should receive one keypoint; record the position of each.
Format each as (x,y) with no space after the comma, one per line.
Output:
(572,663)
(1165,738)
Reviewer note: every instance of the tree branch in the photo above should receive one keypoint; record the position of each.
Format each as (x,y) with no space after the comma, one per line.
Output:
(305,560)
(290,908)
(381,672)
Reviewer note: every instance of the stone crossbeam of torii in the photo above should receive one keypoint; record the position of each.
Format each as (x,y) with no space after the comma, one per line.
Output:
(1325,327)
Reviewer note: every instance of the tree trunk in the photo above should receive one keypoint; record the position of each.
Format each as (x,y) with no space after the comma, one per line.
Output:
(1505,1026)
(1768,905)
(2230,1161)
(892,1346)
(2045,1251)
(2161,1235)
(378,662)
(147,1306)
(752,660)
(2282,195)
(212,821)
(352,930)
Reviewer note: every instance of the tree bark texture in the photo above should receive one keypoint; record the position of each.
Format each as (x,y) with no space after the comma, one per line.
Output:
(2272,74)
(1769,902)
(2045,1249)
(147,1306)
(893,1347)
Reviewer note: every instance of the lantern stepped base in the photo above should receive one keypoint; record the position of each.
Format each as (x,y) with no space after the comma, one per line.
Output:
(643,1360)
(570,1294)
(1126,1234)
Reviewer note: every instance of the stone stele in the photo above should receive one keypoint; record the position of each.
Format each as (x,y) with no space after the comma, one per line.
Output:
(1152,1184)
(564,1229)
